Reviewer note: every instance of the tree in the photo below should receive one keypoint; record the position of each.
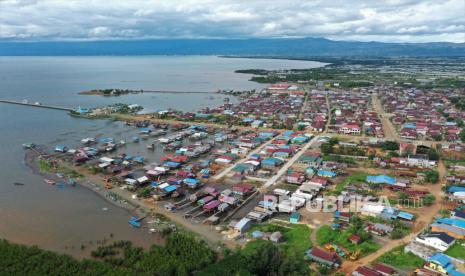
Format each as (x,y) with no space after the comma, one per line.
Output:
(402,196)
(428,200)
(431,176)
(437,137)
(462,136)
(433,154)
(390,145)
(397,234)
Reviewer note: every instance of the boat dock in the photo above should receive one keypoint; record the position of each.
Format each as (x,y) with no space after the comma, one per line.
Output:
(37,105)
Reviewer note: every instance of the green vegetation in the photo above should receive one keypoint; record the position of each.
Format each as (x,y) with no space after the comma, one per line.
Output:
(359,177)
(252,71)
(457,250)
(296,237)
(428,200)
(340,159)
(144,192)
(431,176)
(183,254)
(333,147)
(390,145)
(459,102)
(24,260)
(45,166)
(262,258)
(326,235)
(399,259)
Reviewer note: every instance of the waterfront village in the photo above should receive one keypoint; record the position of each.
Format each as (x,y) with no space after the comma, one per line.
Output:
(275,165)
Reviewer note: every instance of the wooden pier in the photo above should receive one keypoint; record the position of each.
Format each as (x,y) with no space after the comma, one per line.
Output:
(37,105)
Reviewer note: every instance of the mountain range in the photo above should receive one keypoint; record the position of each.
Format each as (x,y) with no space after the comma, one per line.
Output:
(289,47)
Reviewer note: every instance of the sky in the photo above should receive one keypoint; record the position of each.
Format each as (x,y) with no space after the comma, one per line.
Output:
(369,20)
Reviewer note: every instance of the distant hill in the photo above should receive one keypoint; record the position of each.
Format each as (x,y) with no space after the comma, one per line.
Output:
(300,47)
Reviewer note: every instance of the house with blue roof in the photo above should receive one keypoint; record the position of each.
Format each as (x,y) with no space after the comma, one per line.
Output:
(288,133)
(139,159)
(266,135)
(248,120)
(191,182)
(405,216)
(409,125)
(299,140)
(327,174)
(454,222)
(455,189)
(452,227)
(381,179)
(81,110)
(271,162)
(309,172)
(256,123)
(443,264)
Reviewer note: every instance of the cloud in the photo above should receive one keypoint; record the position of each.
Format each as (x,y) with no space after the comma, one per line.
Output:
(388,20)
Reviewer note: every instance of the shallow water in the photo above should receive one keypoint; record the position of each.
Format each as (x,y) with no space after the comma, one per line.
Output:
(65,219)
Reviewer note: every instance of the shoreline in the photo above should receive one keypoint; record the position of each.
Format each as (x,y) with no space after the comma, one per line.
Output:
(30,160)
(141,207)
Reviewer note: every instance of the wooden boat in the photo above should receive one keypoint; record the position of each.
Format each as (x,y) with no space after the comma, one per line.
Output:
(29,146)
(50,182)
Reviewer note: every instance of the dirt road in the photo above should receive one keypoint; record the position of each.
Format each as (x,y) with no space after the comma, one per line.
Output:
(424,217)
(389,131)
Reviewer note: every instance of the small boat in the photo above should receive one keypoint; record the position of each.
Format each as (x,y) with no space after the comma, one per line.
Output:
(122,142)
(135,139)
(72,182)
(50,182)
(135,222)
(29,145)
(18,184)
(60,185)
(151,147)
(88,141)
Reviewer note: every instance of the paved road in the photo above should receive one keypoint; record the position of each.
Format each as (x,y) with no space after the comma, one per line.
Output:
(289,163)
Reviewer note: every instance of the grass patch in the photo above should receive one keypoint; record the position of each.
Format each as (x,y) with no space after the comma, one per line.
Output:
(326,235)
(359,177)
(399,259)
(296,238)
(457,250)
(45,166)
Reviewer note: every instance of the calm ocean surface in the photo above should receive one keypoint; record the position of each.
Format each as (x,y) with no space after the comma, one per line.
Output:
(63,219)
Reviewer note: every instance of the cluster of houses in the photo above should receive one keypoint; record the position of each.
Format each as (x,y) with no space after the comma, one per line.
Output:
(277,106)
(353,114)
(432,246)
(421,114)
(314,115)
(273,155)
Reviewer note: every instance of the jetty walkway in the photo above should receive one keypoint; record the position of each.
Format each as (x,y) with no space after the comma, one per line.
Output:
(37,105)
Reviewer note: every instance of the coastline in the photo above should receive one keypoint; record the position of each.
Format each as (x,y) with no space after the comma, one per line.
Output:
(139,207)
(30,160)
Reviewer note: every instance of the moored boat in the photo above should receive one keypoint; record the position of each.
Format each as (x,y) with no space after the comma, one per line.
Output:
(50,182)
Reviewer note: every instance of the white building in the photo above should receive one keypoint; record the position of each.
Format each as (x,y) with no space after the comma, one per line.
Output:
(437,240)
